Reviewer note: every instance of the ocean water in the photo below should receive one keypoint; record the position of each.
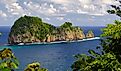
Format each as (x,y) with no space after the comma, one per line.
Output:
(5,32)
(55,57)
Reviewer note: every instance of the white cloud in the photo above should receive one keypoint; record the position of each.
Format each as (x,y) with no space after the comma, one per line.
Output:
(90,7)
(13,7)
(95,7)
(108,1)
(46,9)
(60,18)
(51,10)
(47,18)
(2,14)
(61,1)
(85,1)
(58,7)
(81,12)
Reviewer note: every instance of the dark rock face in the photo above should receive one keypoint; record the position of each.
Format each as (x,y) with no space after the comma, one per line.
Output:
(29,29)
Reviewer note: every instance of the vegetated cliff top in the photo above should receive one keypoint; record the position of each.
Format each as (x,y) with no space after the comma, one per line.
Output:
(31,25)
(28,29)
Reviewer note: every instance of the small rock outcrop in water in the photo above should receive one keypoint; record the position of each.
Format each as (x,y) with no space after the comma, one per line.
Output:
(29,29)
(90,34)
(0,33)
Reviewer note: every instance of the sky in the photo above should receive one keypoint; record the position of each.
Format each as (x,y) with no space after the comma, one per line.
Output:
(56,12)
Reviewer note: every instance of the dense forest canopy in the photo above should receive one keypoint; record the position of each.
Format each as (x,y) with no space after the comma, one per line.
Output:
(34,25)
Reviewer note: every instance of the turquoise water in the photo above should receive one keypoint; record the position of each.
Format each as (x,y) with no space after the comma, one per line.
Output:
(55,57)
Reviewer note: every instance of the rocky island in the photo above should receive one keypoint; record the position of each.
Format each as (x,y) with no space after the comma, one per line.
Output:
(90,34)
(29,29)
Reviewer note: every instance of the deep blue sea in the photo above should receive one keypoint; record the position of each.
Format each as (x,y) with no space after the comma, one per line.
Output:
(55,57)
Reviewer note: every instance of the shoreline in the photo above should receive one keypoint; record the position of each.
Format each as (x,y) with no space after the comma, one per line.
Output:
(55,42)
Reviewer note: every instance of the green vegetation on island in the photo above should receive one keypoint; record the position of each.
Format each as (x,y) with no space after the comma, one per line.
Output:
(29,29)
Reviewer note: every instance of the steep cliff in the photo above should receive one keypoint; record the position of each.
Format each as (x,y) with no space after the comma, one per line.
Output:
(30,29)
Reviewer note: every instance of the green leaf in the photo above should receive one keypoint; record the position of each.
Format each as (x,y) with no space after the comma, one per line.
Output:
(92,52)
(14,65)
(5,69)
(3,65)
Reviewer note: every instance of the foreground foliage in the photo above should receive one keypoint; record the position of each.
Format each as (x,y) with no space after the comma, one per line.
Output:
(110,57)
(34,67)
(112,41)
(112,33)
(8,61)
(96,62)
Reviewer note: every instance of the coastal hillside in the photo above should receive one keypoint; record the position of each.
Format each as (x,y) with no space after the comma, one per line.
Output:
(29,29)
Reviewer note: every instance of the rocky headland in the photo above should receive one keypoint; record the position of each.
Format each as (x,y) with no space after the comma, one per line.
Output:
(28,29)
